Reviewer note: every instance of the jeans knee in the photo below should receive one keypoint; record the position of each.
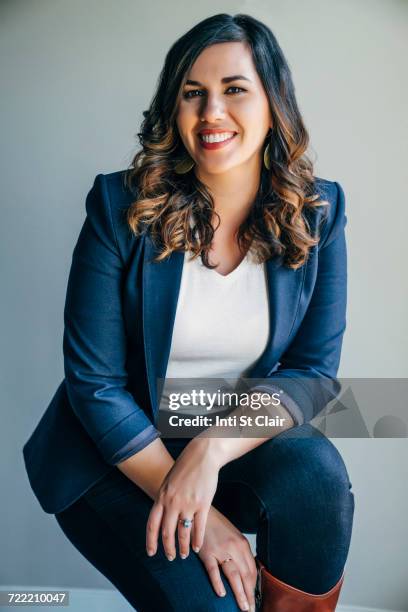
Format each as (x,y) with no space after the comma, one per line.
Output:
(328,467)
(308,478)
(323,493)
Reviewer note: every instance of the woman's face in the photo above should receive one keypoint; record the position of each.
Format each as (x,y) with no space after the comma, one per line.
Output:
(213,102)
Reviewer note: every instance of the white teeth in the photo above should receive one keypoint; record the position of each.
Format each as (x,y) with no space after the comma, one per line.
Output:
(216,137)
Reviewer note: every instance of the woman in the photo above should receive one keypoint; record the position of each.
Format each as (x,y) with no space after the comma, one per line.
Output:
(218,254)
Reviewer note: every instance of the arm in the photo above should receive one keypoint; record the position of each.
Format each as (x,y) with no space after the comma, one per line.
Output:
(307,371)
(94,341)
(149,467)
(224,450)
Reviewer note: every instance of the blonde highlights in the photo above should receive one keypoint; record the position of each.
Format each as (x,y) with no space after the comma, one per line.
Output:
(178,209)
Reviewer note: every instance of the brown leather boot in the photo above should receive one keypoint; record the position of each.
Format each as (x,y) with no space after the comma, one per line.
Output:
(273,595)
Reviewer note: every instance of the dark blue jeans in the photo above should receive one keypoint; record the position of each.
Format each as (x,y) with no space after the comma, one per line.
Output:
(292,491)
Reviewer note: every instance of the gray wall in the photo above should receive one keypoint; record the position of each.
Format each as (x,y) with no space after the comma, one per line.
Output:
(76,76)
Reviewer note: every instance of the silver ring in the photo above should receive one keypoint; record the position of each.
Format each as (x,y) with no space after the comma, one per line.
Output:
(227,559)
(186,522)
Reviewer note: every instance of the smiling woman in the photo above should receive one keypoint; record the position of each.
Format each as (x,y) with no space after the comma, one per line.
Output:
(222,176)
(215,84)
(242,114)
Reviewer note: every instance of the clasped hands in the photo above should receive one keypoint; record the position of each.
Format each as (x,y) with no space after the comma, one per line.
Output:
(187,493)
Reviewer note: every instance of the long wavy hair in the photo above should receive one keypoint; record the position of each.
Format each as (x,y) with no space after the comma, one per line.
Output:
(178,208)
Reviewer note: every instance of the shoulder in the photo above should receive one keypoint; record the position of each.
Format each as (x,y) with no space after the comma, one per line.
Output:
(330,219)
(106,205)
(112,192)
(116,190)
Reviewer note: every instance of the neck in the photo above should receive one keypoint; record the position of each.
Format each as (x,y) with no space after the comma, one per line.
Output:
(233,191)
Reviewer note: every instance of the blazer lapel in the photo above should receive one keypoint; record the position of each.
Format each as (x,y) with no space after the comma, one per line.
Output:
(284,293)
(161,287)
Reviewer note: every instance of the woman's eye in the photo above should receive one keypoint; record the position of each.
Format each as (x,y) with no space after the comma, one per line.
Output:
(239,88)
(189,94)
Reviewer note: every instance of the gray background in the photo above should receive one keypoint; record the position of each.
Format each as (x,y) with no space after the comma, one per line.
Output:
(75,78)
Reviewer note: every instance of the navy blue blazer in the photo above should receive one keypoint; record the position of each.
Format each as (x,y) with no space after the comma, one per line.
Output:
(118,320)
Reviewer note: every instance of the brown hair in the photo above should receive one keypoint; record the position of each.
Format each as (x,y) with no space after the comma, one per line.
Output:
(178,209)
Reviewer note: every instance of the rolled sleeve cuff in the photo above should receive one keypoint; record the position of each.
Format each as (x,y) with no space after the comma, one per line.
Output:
(119,443)
(135,445)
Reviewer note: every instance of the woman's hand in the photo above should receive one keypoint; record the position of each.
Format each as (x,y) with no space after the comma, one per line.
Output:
(187,491)
(223,540)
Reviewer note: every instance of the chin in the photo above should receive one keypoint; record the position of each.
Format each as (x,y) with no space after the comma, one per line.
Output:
(215,168)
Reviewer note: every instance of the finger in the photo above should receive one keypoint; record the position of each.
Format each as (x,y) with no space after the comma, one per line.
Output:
(213,570)
(153,528)
(233,575)
(184,536)
(198,530)
(169,526)
(248,573)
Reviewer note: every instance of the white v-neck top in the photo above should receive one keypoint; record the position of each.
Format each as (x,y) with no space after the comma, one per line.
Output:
(221,325)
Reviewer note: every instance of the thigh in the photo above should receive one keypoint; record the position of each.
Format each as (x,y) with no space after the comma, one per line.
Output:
(277,479)
(298,460)
(108,526)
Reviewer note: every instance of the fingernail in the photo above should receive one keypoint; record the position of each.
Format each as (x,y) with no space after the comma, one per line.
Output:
(222,593)
(196,549)
(170,557)
(245,606)
(183,556)
(252,608)
(150,552)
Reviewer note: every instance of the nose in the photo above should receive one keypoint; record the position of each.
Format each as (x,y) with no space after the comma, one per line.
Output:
(212,109)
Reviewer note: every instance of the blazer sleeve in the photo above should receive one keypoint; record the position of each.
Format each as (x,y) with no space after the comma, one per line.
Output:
(306,375)
(94,342)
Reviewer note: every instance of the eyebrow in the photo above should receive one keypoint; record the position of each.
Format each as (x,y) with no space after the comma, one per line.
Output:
(228,79)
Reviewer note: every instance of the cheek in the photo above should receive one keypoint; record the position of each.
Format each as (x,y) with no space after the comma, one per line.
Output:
(254,120)
(185,115)
(247,113)
(183,126)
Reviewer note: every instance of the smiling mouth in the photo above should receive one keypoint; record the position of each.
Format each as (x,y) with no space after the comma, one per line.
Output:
(216,144)
(217,137)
